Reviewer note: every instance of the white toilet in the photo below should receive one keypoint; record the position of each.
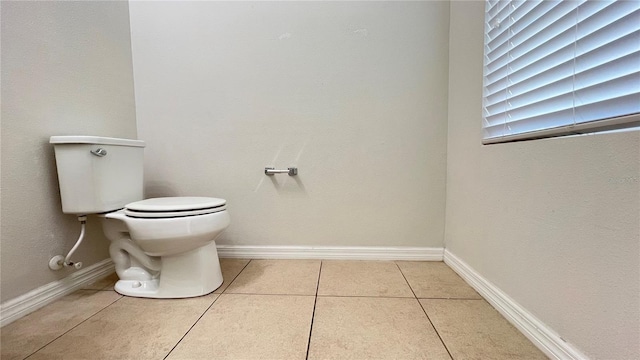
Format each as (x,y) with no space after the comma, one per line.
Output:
(161,247)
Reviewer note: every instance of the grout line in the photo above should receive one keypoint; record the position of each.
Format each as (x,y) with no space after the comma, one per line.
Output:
(194,324)
(342,296)
(234,279)
(368,296)
(313,314)
(204,312)
(445,298)
(434,328)
(259,294)
(80,323)
(425,313)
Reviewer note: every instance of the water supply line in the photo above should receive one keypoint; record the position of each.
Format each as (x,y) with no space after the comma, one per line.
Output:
(58,262)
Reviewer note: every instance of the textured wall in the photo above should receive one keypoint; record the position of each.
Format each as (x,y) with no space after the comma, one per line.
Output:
(554,223)
(352,93)
(66,69)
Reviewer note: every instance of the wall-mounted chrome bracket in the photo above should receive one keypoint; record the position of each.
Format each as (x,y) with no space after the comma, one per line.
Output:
(292,171)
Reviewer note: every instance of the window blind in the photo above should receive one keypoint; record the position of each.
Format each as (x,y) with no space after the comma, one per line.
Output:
(560,67)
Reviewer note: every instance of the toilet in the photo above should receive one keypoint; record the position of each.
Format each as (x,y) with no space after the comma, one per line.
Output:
(161,247)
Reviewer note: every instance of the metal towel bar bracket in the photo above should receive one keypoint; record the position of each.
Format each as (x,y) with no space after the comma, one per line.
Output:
(292,171)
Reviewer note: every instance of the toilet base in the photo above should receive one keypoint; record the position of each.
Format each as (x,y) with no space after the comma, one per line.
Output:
(194,273)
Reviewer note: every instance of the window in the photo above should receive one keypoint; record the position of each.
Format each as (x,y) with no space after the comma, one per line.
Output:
(560,67)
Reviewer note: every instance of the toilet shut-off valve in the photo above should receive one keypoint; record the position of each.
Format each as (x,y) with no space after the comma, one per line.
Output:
(58,262)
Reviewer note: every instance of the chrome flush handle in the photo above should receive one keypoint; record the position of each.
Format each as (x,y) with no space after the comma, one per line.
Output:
(99,152)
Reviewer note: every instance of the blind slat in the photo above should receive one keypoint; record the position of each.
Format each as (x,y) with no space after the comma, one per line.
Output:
(587,70)
(549,76)
(494,45)
(531,37)
(607,34)
(524,73)
(611,70)
(607,53)
(615,107)
(620,47)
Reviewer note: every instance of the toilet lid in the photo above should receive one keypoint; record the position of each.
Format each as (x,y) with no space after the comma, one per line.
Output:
(174,207)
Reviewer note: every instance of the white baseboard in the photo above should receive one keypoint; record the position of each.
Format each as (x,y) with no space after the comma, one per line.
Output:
(16,308)
(535,330)
(331,252)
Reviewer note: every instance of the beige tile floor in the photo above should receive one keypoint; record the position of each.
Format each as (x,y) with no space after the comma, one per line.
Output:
(279,309)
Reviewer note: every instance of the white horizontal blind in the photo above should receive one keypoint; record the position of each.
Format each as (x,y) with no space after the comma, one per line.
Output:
(557,67)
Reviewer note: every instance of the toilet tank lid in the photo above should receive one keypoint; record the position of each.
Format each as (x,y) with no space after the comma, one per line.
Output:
(97,140)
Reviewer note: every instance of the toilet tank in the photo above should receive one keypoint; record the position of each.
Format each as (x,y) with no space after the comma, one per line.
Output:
(98,174)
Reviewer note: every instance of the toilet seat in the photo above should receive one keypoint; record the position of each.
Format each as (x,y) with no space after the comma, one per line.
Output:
(171,207)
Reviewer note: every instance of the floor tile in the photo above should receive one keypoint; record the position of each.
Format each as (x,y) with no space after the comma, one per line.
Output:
(373,328)
(431,279)
(250,327)
(362,278)
(365,310)
(131,328)
(105,283)
(472,329)
(28,334)
(230,269)
(292,277)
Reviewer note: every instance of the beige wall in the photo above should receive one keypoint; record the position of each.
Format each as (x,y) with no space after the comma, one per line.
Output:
(554,223)
(66,69)
(352,93)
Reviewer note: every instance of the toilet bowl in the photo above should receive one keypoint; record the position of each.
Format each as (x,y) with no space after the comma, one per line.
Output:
(165,247)
(161,247)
